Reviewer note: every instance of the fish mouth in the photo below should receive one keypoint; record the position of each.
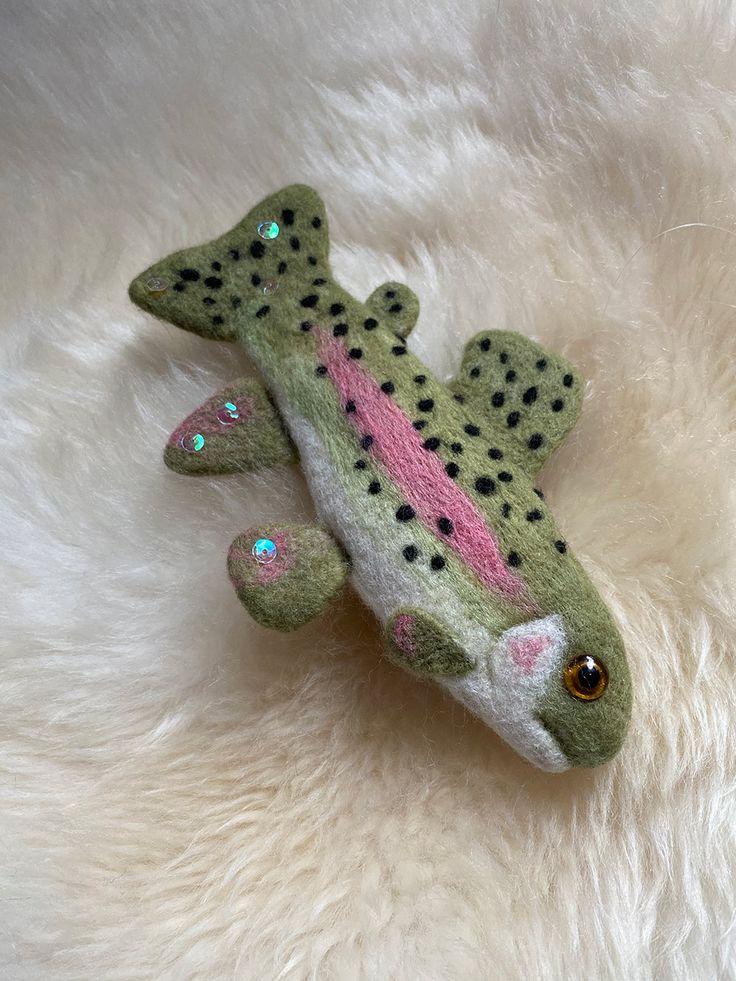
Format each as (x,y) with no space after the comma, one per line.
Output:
(507,690)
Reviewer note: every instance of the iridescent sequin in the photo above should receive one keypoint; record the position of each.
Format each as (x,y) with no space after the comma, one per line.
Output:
(264,551)
(157,284)
(270,286)
(268,229)
(227,414)
(192,442)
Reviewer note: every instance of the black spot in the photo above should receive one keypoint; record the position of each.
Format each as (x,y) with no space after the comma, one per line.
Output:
(374,487)
(310,301)
(497,399)
(445,526)
(474,372)
(437,563)
(512,419)
(312,261)
(360,464)
(535,515)
(456,447)
(561,546)
(485,485)
(179,287)
(459,398)
(425,405)
(539,494)
(510,375)
(432,443)
(388,387)
(366,442)
(316,222)
(282,267)
(395,308)
(219,320)
(405,513)
(255,279)
(209,301)
(495,454)
(214,282)
(503,357)
(234,254)
(558,405)
(319,282)
(398,350)
(370,323)
(485,344)
(420,379)
(506,509)
(287,216)
(235,301)
(337,308)
(410,552)
(530,396)
(356,353)
(350,406)
(514,559)
(340,330)
(452,469)
(471,430)
(190,275)
(505,477)
(390,294)
(419,423)
(535,441)
(257,249)
(567,381)
(263,312)
(542,364)
(306,325)
(294,243)
(321,369)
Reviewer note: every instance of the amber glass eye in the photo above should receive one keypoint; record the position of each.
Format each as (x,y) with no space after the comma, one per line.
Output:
(586,678)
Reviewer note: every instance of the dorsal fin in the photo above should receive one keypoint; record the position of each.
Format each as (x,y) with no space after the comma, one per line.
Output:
(396,306)
(531,398)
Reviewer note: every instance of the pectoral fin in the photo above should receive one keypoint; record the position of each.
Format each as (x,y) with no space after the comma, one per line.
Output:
(529,398)
(420,643)
(237,429)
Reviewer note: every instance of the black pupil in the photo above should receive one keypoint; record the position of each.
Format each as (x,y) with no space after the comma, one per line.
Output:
(589,676)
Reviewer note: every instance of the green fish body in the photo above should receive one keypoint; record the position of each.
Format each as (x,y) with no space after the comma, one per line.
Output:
(425,491)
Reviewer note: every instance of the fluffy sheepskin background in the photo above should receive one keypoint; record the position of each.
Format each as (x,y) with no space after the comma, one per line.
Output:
(188,796)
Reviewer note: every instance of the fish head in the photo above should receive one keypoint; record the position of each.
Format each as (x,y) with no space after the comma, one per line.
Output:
(246,283)
(558,693)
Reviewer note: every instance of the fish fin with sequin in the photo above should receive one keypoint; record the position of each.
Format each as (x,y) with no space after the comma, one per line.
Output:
(286,575)
(237,430)
(523,398)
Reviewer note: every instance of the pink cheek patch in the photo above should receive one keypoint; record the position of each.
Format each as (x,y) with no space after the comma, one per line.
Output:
(525,651)
(403,626)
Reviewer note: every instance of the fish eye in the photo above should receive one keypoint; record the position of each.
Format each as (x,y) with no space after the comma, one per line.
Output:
(586,678)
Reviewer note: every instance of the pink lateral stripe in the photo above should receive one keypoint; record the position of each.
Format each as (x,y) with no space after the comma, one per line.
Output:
(419,473)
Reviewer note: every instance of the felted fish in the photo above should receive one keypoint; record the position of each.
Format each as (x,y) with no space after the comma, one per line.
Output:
(425,490)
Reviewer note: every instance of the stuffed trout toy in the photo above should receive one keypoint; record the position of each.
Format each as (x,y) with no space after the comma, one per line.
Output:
(425,491)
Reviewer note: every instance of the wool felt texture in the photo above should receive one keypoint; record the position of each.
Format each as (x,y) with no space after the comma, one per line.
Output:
(187,796)
(456,463)
(301,581)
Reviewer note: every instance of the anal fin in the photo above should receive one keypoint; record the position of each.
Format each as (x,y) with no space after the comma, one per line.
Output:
(236,430)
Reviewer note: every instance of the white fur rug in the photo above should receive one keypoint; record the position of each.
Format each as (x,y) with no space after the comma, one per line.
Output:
(187,796)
